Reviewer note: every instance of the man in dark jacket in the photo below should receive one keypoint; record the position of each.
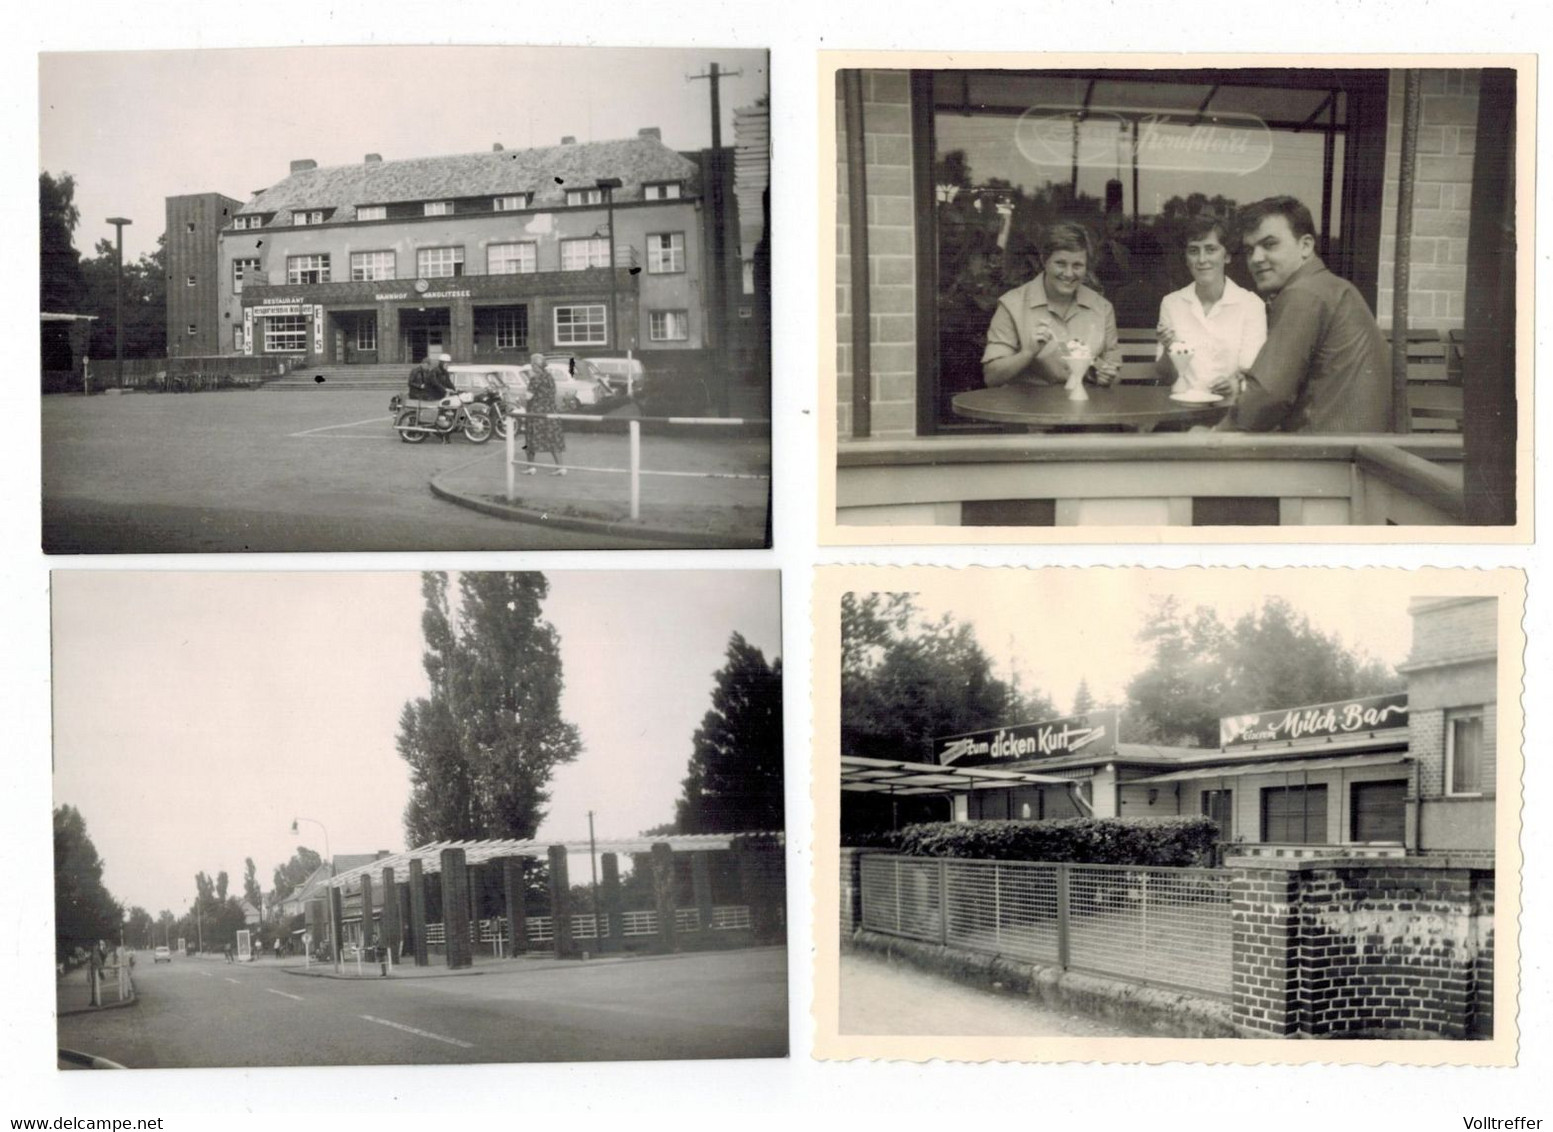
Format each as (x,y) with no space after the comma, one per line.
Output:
(430,380)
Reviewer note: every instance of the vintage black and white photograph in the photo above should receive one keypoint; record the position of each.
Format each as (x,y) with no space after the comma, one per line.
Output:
(320,819)
(1272,293)
(1108,807)
(405,298)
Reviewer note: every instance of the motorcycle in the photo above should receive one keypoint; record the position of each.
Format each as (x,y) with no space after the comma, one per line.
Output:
(474,414)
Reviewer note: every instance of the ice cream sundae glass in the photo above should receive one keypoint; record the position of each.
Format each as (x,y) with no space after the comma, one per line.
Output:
(1079,358)
(1181,360)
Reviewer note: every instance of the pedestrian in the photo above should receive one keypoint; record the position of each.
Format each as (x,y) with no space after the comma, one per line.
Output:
(277,948)
(543,433)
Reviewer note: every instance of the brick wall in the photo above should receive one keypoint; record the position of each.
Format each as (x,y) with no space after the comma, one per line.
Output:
(891,258)
(851,891)
(1442,197)
(1452,629)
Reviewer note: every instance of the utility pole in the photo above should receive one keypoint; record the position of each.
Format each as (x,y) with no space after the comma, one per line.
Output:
(714,76)
(118,223)
(593,868)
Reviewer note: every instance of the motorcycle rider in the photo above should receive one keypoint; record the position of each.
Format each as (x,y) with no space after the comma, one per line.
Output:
(430,380)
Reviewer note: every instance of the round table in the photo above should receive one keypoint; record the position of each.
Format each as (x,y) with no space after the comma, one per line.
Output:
(1042,407)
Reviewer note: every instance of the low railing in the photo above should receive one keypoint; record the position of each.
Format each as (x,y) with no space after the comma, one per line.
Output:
(189,374)
(1161,926)
(541,929)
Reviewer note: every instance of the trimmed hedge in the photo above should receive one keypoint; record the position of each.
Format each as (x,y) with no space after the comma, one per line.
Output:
(1178,842)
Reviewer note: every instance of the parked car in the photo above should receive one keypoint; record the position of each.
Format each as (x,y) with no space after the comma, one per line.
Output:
(580,389)
(162,955)
(623,376)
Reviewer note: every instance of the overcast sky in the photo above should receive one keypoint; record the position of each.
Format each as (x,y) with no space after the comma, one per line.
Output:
(136,127)
(196,714)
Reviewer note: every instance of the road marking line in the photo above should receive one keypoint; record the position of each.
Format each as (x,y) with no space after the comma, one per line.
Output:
(232,981)
(283,994)
(325,428)
(420,1033)
(207,974)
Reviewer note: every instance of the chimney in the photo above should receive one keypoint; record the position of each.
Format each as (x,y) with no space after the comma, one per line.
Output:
(497,147)
(303,165)
(373,159)
(650,133)
(568,140)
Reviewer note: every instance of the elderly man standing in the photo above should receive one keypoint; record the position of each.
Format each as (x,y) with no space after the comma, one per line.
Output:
(1324,366)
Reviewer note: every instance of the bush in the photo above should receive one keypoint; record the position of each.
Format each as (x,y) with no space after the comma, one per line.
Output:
(1179,842)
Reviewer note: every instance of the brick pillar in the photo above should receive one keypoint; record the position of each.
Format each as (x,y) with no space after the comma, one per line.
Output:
(701,886)
(613,911)
(560,902)
(851,890)
(392,932)
(663,889)
(514,889)
(418,912)
(1264,905)
(389,348)
(366,909)
(403,946)
(455,909)
(762,871)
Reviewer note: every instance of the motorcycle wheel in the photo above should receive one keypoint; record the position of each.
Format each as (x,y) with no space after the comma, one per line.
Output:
(405,424)
(509,428)
(477,427)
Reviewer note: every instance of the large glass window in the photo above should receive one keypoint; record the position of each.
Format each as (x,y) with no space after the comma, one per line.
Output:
(576,255)
(1294,815)
(511,259)
(366,332)
(665,253)
(512,328)
(1464,751)
(1131,156)
(307,269)
(285,334)
(439,263)
(668,326)
(580,325)
(367,266)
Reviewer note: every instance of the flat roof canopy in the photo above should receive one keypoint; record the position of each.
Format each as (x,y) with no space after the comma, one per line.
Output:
(888,776)
(1236,770)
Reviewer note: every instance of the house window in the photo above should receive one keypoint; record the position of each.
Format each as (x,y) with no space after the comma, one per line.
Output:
(190,226)
(1295,815)
(512,202)
(372,212)
(367,266)
(1378,811)
(241,269)
(439,208)
(580,325)
(307,268)
(512,328)
(576,255)
(192,330)
(192,281)
(511,259)
(1219,807)
(665,253)
(315,216)
(576,197)
(285,334)
(1464,761)
(439,263)
(366,332)
(663,190)
(668,326)
(243,222)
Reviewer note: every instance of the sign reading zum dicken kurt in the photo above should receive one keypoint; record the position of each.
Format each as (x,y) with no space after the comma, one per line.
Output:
(1092,734)
(1321,721)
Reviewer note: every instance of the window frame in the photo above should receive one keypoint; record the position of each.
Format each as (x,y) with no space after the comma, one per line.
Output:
(364,323)
(666,190)
(584,198)
(437,208)
(518,341)
(524,200)
(681,315)
(272,333)
(591,241)
(675,253)
(457,263)
(238,275)
(1479,715)
(1307,790)
(393,266)
(295,272)
(379,211)
(533,258)
(603,324)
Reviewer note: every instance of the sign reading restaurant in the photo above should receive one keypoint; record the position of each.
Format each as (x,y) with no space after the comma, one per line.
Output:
(1093,734)
(1323,721)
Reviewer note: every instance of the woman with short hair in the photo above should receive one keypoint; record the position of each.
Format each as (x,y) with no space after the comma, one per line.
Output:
(1213,321)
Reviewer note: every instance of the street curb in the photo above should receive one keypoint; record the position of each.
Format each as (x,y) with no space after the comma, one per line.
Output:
(303,973)
(132,1000)
(699,539)
(550,965)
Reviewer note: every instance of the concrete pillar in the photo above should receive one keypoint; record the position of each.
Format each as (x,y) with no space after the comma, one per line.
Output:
(455,909)
(560,902)
(762,881)
(1103,792)
(663,890)
(389,348)
(337,921)
(613,910)
(701,886)
(390,911)
(417,888)
(514,888)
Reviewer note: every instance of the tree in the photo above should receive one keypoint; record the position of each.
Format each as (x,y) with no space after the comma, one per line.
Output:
(735,777)
(1271,658)
(483,745)
(62,286)
(288,877)
(84,912)
(1083,699)
(138,927)
(251,890)
(145,302)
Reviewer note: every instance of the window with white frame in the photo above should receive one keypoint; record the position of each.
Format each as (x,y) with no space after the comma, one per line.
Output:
(307,268)
(192,330)
(575,197)
(1464,751)
(668,326)
(512,202)
(285,334)
(439,263)
(512,259)
(367,266)
(192,281)
(308,216)
(661,190)
(372,212)
(665,253)
(439,208)
(512,328)
(366,332)
(581,324)
(243,269)
(578,255)
(244,222)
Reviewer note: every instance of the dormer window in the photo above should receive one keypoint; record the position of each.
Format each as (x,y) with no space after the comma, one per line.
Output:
(250,221)
(371,212)
(439,208)
(578,197)
(661,190)
(512,202)
(307,216)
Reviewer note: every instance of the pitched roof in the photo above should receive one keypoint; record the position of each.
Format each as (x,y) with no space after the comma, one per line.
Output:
(546,172)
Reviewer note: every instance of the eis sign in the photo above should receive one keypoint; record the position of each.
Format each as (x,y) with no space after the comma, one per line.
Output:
(1092,734)
(1321,721)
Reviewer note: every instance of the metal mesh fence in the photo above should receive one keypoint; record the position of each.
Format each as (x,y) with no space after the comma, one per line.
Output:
(1169,927)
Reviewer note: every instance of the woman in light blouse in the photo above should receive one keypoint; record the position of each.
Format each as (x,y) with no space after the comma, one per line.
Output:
(1027,341)
(1223,323)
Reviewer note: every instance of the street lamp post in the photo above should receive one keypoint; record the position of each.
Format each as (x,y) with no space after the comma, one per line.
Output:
(334,927)
(609,185)
(118,223)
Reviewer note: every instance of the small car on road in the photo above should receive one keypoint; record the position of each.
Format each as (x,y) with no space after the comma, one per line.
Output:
(162,955)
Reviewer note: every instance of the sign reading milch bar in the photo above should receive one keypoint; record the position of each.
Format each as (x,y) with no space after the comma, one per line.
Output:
(1093,734)
(1322,721)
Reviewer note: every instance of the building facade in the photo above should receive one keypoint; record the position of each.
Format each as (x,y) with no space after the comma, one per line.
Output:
(195,321)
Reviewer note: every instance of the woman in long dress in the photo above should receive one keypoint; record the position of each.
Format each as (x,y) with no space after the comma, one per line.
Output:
(542,433)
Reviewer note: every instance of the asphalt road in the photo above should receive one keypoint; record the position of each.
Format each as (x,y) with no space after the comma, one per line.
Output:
(242,471)
(210,1014)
